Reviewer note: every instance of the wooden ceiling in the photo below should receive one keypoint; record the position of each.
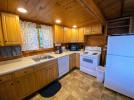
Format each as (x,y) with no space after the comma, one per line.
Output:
(78,12)
(71,12)
(116,8)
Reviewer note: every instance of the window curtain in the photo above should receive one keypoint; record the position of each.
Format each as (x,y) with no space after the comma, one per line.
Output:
(30,36)
(46,36)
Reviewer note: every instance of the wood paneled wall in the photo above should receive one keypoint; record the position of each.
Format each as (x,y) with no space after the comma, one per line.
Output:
(96,40)
(36,52)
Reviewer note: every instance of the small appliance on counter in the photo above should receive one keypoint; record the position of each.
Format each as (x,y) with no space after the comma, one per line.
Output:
(63,48)
(74,47)
(58,48)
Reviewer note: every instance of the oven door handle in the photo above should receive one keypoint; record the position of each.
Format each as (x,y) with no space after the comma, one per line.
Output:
(88,60)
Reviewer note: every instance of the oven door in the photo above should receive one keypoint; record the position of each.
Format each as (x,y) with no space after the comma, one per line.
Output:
(88,62)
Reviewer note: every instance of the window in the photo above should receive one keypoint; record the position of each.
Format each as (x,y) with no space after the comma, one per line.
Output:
(35,38)
(46,36)
(30,36)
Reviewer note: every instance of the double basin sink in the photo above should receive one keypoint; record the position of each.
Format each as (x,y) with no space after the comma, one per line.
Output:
(42,57)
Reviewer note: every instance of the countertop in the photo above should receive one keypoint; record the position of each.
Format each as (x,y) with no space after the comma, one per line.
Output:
(24,62)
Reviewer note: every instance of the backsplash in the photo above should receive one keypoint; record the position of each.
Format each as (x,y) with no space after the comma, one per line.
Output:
(10,51)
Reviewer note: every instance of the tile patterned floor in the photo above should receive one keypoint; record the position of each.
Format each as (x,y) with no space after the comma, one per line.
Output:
(80,86)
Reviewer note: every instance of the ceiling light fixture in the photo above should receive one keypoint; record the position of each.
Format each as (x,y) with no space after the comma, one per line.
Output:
(74,26)
(22,10)
(58,21)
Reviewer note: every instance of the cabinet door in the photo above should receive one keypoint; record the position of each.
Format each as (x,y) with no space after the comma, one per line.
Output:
(87,30)
(8,91)
(81,35)
(78,60)
(1,35)
(52,72)
(96,29)
(58,34)
(41,78)
(72,61)
(25,85)
(67,35)
(11,29)
(47,73)
(74,36)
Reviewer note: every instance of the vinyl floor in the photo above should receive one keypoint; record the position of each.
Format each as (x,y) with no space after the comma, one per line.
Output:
(80,86)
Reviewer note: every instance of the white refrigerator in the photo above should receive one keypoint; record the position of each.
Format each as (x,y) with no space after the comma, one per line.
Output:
(119,74)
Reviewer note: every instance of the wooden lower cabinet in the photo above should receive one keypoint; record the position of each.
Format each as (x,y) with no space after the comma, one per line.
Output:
(8,91)
(77,60)
(52,72)
(46,73)
(24,82)
(41,78)
(25,85)
(72,61)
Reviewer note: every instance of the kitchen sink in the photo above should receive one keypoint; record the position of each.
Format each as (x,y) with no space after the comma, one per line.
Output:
(44,57)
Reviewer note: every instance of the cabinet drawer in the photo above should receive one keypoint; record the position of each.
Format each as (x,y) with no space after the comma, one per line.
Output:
(23,72)
(6,77)
(45,64)
(49,66)
(51,62)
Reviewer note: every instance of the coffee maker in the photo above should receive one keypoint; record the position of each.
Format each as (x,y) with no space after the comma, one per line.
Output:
(58,48)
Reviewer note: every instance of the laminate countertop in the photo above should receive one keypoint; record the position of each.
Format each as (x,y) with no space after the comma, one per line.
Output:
(24,62)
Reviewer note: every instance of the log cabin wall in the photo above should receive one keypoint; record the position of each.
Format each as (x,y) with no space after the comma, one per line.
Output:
(36,52)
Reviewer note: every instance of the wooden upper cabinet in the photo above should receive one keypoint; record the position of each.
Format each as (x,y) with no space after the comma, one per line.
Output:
(87,30)
(80,35)
(93,29)
(74,36)
(1,35)
(67,34)
(96,29)
(11,29)
(58,34)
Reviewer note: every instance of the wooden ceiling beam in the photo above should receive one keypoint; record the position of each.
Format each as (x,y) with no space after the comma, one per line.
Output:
(92,8)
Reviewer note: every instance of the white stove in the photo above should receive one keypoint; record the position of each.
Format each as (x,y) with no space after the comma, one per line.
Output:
(90,59)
